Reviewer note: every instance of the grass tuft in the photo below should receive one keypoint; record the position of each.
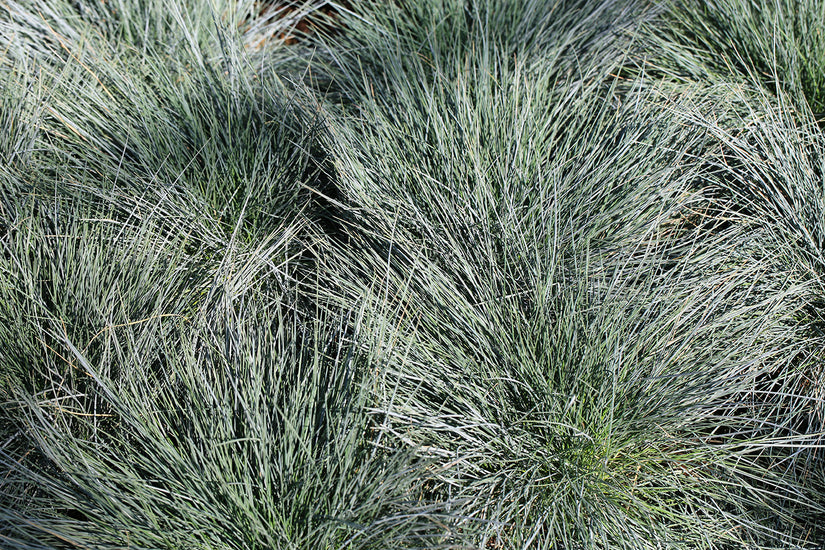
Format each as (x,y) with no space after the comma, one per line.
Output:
(427,274)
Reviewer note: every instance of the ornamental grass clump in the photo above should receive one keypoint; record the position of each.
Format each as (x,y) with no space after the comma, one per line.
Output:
(218,165)
(167,379)
(768,171)
(231,422)
(763,113)
(585,336)
(169,127)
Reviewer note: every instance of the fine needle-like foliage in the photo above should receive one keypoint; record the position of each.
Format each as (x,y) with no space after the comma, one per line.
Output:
(165,383)
(413,274)
(572,321)
(780,42)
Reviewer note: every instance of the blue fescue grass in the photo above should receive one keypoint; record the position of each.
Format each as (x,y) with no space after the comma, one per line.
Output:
(164,383)
(441,274)
(570,320)
(780,43)
(236,425)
